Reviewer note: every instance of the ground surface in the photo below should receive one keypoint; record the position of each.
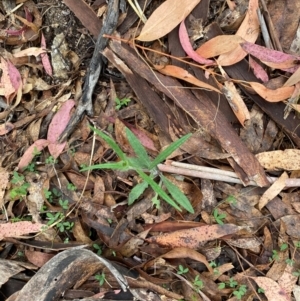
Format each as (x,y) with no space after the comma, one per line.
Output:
(163,230)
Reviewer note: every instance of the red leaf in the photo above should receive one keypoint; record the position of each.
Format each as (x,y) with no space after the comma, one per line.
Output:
(45,58)
(258,70)
(187,47)
(30,152)
(14,75)
(272,58)
(57,126)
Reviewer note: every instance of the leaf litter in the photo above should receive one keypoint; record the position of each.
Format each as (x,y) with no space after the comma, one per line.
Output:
(184,170)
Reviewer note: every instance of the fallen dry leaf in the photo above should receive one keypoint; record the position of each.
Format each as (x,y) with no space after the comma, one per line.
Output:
(271,288)
(273,191)
(277,95)
(165,18)
(219,45)
(19,228)
(180,73)
(57,126)
(187,47)
(288,159)
(249,30)
(193,238)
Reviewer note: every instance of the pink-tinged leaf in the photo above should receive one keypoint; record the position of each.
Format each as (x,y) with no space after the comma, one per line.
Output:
(258,70)
(272,58)
(277,95)
(165,18)
(272,290)
(19,228)
(187,47)
(29,154)
(6,128)
(184,75)
(57,126)
(142,136)
(9,90)
(45,58)
(249,30)
(14,75)
(28,14)
(15,32)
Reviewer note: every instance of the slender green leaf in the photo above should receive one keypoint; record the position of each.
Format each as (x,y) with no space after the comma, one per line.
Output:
(136,163)
(177,195)
(158,189)
(111,143)
(136,192)
(169,150)
(118,165)
(138,148)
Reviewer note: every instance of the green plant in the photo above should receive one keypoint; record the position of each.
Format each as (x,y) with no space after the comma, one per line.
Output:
(30,167)
(63,226)
(20,187)
(100,278)
(182,270)
(284,246)
(231,200)
(219,217)
(290,261)
(198,283)
(64,204)
(71,187)
(98,248)
(240,292)
(121,102)
(51,160)
(142,165)
(297,273)
(260,290)
(275,255)
(53,218)
(232,283)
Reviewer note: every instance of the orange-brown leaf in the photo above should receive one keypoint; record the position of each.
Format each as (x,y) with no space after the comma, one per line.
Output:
(277,95)
(192,238)
(186,76)
(249,30)
(219,45)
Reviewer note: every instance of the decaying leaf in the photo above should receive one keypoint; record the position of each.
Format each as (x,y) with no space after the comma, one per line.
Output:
(249,30)
(19,228)
(219,45)
(187,47)
(186,76)
(193,238)
(277,95)
(165,18)
(57,126)
(273,191)
(288,159)
(271,288)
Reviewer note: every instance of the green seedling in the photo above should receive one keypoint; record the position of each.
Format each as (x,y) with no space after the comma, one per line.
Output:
(63,226)
(275,256)
(198,283)
(284,246)
(146,169)
(260,290)
(71,187)
(240,292)
(101,278)
(98,249)
(20,187)
(219,217)
(64,204)
(297,273)
(231,200)
(290,262)
(51,160)
(121,102)
(182,270)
